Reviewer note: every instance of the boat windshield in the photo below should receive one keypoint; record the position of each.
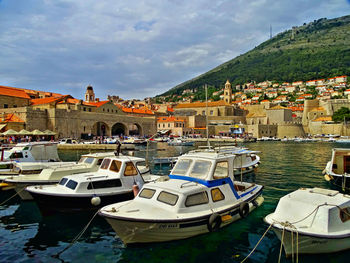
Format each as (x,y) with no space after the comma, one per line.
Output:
(181,167)
(200,169)
(89,160)
(82,159)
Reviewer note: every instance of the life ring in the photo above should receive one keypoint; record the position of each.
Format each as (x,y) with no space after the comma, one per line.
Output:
(214,222)
(243,209)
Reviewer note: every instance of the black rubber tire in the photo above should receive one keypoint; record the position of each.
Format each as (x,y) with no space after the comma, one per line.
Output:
(214,222)
(243,209)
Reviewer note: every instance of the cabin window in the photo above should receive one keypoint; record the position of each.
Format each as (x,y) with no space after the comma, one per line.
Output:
(167,198)
(63,181)
(221,170)
(71,184)
(147,193)
(200,169)
(181,167)
(99,161)
(105,163)
(16,155)
(115,166)
(217,195)
(344,214)
(197,199)
(130,169)
(89,160)
(104,184)
(6,166)
(82,159)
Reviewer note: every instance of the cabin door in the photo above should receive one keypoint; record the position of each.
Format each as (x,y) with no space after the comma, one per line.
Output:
(346,164)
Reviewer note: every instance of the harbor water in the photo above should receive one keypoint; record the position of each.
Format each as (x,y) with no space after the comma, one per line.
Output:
(28,236)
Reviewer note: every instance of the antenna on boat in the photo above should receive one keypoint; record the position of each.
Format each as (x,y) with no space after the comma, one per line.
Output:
(206,113)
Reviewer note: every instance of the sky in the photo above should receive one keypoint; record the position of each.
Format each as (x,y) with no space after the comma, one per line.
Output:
(136,49)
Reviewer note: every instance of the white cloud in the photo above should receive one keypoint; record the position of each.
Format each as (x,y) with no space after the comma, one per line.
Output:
(136,48)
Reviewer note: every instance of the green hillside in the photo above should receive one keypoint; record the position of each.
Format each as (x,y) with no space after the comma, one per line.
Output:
(319,49)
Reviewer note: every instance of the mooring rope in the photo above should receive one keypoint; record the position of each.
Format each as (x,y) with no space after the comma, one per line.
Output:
(17,193)
(76,238)
(257,244)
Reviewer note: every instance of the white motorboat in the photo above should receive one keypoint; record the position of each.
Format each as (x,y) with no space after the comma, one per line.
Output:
(52,175)
(312,221)
(199,196)
(337,170)
(180,142)
(135,141)
(113,182)
(37,153)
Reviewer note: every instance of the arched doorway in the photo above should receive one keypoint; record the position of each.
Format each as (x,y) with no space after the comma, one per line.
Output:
(135,129)
(119,129)
(101,129)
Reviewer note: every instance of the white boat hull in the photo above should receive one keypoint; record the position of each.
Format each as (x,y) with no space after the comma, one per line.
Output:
(308,244)
(146,232)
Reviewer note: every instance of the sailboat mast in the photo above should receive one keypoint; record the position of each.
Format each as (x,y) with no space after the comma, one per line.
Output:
(206,113)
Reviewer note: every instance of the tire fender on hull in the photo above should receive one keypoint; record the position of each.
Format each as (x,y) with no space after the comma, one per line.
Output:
(214,222)
(243,209)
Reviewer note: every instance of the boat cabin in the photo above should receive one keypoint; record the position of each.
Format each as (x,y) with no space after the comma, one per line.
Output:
(340,161)
(198,179)
(32,152)
(121,171)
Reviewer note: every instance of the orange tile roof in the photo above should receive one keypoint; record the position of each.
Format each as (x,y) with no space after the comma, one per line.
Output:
(96,104)
(13,92)
(170,109)
(12,118)
(201,104)
(138,111)
(45,100)
(170,119)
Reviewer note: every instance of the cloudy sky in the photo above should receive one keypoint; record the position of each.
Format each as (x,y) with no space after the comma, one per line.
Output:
(134,48)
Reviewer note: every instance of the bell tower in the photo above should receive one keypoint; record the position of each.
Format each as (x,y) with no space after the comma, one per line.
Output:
(89,94)
(228,92)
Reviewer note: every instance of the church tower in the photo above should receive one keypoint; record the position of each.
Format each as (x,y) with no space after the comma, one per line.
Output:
(228,93)
(89,94)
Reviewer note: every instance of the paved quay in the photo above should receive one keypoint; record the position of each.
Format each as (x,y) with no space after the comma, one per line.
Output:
(94,147)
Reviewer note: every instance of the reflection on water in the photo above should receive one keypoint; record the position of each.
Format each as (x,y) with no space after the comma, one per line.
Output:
(28,236)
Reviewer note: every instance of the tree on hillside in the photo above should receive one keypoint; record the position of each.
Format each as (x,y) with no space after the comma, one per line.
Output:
(342,114)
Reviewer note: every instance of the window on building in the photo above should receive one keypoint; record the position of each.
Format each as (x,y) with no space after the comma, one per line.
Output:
(163,125)
(168,125)
(84,109)
(211,112)
(89,109)
(6,106)
(15,106)
(107,110)
(203,112)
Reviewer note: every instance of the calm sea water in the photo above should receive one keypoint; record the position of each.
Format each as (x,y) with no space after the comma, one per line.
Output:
(28,236)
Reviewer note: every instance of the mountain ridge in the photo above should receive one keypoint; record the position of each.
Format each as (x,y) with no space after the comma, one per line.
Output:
(319,49)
